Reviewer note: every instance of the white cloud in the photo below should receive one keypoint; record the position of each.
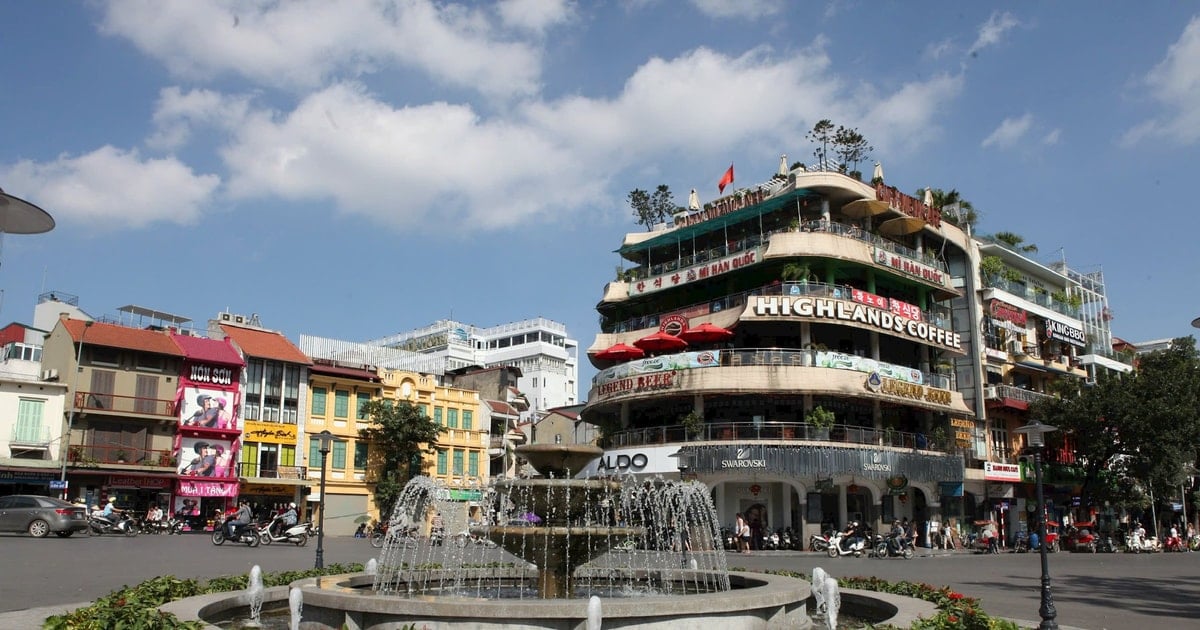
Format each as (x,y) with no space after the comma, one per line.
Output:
(536,16)
(1175,85)
(177,112)
(1009,133)
(992,31)
(1052,138)
(738,8)
(112,189)
(302,43)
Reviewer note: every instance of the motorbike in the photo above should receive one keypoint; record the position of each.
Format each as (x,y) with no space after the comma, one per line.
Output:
(247,534)
(894,546)
(1106,544)
(277,531)
(1174,543)
(727,539)
(771,541)
(840,545)
(465,537)
(1141,544)
(819,542)
(121,524)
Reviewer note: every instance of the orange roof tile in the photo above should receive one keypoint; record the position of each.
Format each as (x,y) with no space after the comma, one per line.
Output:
(113,336)
(265,344)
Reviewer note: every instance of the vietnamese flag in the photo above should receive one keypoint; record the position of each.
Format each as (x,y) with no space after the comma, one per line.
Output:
(726,180)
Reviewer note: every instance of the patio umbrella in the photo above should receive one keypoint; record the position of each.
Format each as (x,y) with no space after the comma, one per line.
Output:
(694,200)
(901,226)
(878,174)
(783,165)
(620,352)
(865,208)
(705,333)
(929,196)
(660,341)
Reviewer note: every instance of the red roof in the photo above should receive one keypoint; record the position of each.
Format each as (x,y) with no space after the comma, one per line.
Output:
(101,334)
(502,408)
(208,350)
(265,344)
(334,370)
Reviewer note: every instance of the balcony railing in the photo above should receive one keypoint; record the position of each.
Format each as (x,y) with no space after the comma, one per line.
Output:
(1030,294)
(116,403)
(83,455)
(30,437)
(938,316)
(250,469)
(777,432)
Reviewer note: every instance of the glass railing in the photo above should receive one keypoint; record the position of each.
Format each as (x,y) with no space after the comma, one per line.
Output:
(938,316)
(1023,291)
(1016,393)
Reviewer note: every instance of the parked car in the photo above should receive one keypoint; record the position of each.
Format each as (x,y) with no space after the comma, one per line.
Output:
(40,515)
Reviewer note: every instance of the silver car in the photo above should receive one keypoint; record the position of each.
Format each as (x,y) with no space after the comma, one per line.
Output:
(40,515)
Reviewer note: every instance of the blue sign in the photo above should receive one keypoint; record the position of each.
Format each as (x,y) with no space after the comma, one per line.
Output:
(58,485)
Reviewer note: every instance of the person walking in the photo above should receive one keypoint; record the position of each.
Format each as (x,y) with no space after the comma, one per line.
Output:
(742,531)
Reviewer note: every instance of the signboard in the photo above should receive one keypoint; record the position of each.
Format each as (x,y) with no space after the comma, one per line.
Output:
(58,485)
(188,488)
(206,408)
(849,311)
(1059,331)
(995,471)
(205,457)
(698,272)
(271,432)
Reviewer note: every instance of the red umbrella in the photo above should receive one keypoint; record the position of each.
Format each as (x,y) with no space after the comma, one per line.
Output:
(705,333)
(659,342)
(620,352)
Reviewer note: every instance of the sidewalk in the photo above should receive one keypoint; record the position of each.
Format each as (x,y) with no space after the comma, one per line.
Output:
(32,618)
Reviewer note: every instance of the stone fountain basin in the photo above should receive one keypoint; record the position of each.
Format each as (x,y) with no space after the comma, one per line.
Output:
(757,602)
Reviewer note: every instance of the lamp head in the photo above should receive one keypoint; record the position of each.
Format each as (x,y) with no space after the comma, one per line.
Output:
(1035,432)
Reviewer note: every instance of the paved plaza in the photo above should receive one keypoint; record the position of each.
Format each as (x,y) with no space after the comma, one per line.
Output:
(1094,592)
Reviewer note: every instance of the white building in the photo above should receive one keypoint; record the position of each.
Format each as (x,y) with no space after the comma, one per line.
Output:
(541,348)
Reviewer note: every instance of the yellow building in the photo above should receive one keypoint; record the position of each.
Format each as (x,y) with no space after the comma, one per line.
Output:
(336,398)
(461,459)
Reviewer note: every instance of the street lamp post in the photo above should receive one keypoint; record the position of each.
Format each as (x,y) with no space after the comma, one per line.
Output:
(326,438)
(683,461)
(64,445)
(1035,435)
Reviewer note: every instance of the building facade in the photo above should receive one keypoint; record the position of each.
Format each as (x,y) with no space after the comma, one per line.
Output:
(829,351)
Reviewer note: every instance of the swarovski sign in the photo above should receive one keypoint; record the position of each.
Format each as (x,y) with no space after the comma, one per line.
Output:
(743,459)
(811,461)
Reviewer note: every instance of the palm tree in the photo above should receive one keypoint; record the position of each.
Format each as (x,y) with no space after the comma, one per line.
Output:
(1015,241)
(966,214)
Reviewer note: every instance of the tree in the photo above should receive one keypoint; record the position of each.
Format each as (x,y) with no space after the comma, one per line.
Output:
(1015,241)
(851,148)
(652,208)
(822,133)
(399,434)
(1132,430)
(955,209)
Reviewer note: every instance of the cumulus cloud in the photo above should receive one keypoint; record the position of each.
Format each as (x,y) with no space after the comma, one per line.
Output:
(110,188)
(738,8)
(992,31)
(535,16)
(1174,85)
(1009,133)
(301,44)
(177,112)
(1053,137)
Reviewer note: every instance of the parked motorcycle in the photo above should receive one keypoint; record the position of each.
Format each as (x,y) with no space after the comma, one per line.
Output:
(247,534)
(1105,544)
(277,531)
(1141,544)
(727,539)
(771,542)
(121,524)
(839,545)
(465,537)
(893,547)
(819,542)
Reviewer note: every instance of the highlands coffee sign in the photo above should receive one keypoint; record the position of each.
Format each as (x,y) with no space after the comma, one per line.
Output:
(844,311)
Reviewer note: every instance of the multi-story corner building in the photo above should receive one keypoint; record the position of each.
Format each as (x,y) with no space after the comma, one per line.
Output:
(121,409)
(811,295)
(1040,323)
(338,394)
(31,412)
(274,400)
(539,347)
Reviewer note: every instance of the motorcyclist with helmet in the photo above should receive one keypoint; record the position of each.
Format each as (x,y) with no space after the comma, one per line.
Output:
(285,520)
(896,536)
(854,534)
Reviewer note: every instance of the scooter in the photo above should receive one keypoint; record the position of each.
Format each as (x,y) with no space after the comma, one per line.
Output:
(819,542)
(837,548)
(1105,544)
(247,534)
(296,534)
(124,525)
(1141,544)
(894,547)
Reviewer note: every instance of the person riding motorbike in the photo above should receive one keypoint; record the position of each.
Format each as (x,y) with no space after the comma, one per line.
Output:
(241,519)
(896,536)
(111,509)
(285,520)
(854,534)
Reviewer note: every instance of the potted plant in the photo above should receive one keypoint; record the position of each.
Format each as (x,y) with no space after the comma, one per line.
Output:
(937,437)
(821,420)
(166,460)
(693,424)
(121,456)
(75,453)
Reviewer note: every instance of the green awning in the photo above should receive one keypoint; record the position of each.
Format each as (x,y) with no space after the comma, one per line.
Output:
(680,235)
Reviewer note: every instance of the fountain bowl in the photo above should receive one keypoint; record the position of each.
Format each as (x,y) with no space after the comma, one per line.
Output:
(757,602)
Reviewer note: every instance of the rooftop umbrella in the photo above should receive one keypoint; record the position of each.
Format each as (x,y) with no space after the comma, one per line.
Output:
(901,226)
(620,352)
(660,341)
(878,175)
(705,333)
(865,208)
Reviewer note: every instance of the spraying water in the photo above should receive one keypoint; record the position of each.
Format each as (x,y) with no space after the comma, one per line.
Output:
(372,567)
(594,616)
(818,589)
(295,607)
(833,603)
(254,593)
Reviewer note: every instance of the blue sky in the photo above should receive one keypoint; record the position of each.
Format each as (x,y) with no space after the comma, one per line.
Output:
(353,169)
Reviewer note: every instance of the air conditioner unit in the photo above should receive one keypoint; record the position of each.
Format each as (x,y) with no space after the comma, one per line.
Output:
(1014,346)
(238,319)
(50,375)
(989,393)
(226,317)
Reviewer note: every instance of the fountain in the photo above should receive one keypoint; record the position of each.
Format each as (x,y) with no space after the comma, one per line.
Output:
(572,553)
(833,602)
(254,595)
(295,607)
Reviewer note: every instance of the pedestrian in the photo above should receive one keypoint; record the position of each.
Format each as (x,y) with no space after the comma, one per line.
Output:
(742,531)
(685,545)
